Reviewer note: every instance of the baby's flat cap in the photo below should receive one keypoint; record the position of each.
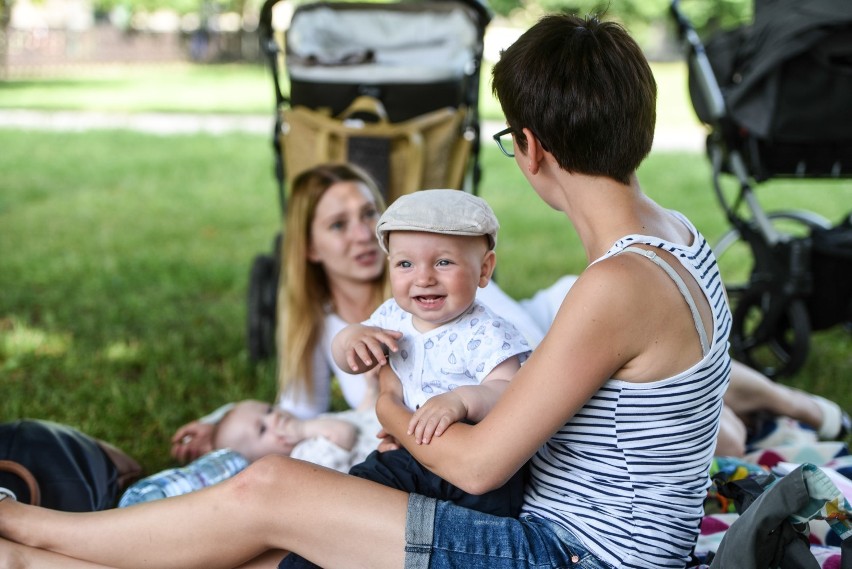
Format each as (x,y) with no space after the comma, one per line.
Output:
(449,212)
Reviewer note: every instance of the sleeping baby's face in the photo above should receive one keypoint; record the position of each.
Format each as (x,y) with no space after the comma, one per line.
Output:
(256,429)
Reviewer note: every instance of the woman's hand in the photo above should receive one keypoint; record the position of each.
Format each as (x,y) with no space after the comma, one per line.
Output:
(191,441)
(387,442)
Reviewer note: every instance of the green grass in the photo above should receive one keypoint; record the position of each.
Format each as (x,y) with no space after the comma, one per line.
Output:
(125,256)
(125,260)
(123,274)
(140,88)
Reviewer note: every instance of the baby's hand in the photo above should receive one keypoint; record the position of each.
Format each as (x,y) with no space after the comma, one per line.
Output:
(435,416)
(368,345)
(191,441)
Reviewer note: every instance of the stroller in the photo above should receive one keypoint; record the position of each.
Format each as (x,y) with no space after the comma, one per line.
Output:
(392,88)
(777,96)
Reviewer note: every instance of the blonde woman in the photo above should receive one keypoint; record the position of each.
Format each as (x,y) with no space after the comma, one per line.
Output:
(333,274)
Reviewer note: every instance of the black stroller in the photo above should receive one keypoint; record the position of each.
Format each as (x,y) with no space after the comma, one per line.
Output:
(393,88)
(777,95)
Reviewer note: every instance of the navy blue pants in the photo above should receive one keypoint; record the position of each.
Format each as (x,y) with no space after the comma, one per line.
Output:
(398,469)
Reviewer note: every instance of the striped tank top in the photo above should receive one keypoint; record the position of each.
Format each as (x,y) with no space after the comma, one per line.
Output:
(628,474)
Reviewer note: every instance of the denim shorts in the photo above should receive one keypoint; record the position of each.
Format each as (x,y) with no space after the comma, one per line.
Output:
(441,535)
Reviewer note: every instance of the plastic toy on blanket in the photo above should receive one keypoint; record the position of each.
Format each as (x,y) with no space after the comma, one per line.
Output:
(726,469)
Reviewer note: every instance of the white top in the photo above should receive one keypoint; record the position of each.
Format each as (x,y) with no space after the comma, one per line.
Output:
(306,406)
(461,352)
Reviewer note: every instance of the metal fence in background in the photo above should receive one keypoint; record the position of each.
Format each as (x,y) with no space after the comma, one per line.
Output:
(52,52)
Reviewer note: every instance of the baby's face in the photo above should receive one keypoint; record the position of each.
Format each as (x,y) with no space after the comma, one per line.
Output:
(435,276)
(256,429)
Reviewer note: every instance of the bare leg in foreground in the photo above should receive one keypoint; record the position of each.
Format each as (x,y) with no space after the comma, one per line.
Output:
(277,503)
(17,556)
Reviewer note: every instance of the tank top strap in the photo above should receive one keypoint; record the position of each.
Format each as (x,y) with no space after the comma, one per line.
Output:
(684,290)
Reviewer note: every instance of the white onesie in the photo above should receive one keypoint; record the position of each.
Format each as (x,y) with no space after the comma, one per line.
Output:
(461,352)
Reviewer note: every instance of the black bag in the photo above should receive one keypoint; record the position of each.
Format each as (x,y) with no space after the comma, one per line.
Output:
(60,468)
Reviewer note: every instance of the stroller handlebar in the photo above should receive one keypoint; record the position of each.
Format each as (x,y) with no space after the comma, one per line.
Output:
(706,77)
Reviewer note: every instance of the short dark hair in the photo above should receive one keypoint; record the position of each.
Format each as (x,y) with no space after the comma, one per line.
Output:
(585,89)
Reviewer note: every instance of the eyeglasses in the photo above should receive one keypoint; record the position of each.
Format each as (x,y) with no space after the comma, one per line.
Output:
(507,146)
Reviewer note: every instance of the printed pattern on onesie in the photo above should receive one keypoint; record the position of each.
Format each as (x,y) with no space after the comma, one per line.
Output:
(461,352)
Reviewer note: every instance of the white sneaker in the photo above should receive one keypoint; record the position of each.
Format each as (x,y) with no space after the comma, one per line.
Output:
(835,422)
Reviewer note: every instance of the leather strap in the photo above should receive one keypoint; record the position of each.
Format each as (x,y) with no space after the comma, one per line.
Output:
(21,472)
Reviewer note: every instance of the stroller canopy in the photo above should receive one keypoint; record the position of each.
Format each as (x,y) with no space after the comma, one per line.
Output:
(397,44)
(795,59)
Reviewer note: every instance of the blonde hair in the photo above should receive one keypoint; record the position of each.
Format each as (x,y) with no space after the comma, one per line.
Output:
(304,293)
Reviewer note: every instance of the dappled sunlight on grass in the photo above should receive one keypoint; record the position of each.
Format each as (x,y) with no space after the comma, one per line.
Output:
(123,352)
(18,339)
(193,89)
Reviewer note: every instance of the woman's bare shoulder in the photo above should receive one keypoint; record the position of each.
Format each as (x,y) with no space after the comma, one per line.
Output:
(609,305)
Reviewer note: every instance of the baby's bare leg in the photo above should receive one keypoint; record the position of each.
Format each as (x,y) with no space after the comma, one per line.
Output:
(277,503)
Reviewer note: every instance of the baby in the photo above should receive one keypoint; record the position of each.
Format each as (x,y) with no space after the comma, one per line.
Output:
(251,429)
(255,429)
(452,355)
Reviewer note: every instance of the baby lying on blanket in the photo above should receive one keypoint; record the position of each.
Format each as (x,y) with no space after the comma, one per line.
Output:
(336,440)
(253,429)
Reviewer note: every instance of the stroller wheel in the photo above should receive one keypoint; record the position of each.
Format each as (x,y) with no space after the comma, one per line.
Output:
(736,256)
(770,338)
(262,293)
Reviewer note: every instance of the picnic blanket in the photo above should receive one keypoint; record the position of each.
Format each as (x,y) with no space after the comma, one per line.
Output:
(783,450)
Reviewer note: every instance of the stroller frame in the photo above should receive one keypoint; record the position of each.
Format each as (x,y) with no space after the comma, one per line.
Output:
(777,306)
(428,141)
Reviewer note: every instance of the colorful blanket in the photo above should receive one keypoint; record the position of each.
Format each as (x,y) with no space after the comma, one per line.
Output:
(792,447)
